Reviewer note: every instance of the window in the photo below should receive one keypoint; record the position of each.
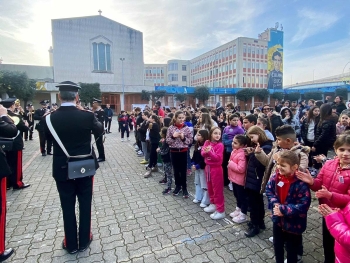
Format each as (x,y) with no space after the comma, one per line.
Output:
(184,78)
(257,51)
(172,66)
(101,56)
(234,80)
(244,48)
(244,64)
(253,65)
(172,77)
(234,65)
(184,68)
(261,80)
(253,50)
(249,50)
(257,65)
(231,66)
(234,50)
(249,64)
(230,51)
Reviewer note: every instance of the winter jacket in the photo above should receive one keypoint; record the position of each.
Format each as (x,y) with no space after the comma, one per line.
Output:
(305,128)
(139,119)
(340,107)
(229,133)
(165,152)
(340,129)
(275,121)
(270,164)
(177,142)
(215,156)
(325,135)
(197,159)
(292,121)
(339,226)
(237,166)
(142,131)
(123,119)
(330,176)
(255,169)
(294,208)
(154,135)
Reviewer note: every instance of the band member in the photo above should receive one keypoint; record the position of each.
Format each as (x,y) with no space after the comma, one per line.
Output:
(38,115)
(7,130)
(108,118)
(99,137)
(14,157)
(73,126)
(29,117)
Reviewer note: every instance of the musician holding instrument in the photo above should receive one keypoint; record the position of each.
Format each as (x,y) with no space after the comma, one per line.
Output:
(14,155)
(29,117)
(39,116)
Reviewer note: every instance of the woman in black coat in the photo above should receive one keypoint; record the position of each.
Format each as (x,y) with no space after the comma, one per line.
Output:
(338,102)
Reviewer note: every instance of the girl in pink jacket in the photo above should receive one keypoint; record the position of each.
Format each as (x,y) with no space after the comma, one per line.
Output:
(213,153)
(237,167)
(338,223)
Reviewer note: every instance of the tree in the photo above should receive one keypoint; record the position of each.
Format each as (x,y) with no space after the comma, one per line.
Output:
(157,94)
(293,96)
(261,93)
(316,95)
(277,95)
(343,92)
(89,91)
(145,95)
(201,93)
(180,97)
(245,94)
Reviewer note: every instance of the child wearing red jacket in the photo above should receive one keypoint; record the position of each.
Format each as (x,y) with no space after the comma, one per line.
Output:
(213,153)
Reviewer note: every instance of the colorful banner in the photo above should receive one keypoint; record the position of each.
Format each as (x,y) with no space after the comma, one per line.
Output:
(275,60)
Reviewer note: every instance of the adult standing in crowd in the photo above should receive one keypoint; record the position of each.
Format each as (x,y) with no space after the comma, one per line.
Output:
(73,126)
(7,130)
(38,116)
(157,106)
(338,102)
(108,118)
(29,117)
(273,117)
(14,156)
(99,137)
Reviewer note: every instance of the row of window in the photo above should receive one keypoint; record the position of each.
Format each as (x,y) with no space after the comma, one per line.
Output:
(174,67)
(154,71)
(254,50)
(175,77)
(254,65)
(233,80)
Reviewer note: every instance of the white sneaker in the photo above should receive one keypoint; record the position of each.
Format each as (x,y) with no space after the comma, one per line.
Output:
(230,186)
(271,239)
(196,201)
(139,152)
(122,140)
(203,205)
(217,215)
(210,209)
(235,213)
(240,218)
(128,139)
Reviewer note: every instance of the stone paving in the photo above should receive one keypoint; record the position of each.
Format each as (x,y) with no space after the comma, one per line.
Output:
(131,220)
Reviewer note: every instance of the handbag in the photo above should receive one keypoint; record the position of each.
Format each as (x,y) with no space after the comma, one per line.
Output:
(76,168)
(6,144)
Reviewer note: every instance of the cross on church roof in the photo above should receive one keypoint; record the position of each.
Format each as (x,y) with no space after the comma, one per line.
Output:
(100,11)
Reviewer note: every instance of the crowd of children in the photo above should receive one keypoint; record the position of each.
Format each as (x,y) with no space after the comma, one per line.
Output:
(253,158)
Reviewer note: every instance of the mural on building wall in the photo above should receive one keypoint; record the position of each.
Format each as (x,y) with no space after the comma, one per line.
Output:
(275,60)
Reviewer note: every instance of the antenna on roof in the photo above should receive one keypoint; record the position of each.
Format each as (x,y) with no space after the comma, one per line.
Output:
(100,12)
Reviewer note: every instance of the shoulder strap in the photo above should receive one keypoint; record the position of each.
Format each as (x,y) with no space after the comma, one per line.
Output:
(3,138)
(58,140)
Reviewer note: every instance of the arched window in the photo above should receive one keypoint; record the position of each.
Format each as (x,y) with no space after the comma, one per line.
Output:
(101,56)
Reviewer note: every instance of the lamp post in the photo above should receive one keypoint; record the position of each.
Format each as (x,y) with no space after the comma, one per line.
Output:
(345,67)
(313,76)
(123,95)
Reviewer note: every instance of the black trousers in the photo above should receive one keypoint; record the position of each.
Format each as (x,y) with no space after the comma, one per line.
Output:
(14,160)
(311,154)
(153,155)
(2,214)
(49,143)
(29,132)
(328,244)
(179,162)
(108,124)
(125,129)
(99,146)
(68,191)
(292,242)
(240,193)
(224,167)
(42,139)
(257,207)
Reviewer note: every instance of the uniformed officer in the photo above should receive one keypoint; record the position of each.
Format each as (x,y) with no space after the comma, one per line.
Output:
(40,126)
(7,130)
(73,126)
(29,117)
(100,115)
(14,157)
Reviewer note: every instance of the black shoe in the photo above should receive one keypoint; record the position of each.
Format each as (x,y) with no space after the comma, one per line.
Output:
(73,251)
(109,132)
(26,139)
(185,193)
(100,160)
(7,253)
(81,249)
(43,154)
(20,188)
(30,139)
(49,154)
(177,190)
(252,231)
(261,226)
(166,191)
(163,181)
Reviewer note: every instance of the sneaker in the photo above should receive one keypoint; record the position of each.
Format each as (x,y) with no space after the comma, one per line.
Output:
(271,239)
(185,194)
(203,205)
(122,140)
(177,190)
(241,218)
(166,191)
(155,169)
(139,152)
(210,209)
(163,181)
(299,259)
(216,215)
(144,162)
(230,186)
(128,139)
(196,201)
(148,173)
(140,155)
(235,213)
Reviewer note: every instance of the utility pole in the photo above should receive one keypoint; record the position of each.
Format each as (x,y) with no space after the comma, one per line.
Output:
(122,101)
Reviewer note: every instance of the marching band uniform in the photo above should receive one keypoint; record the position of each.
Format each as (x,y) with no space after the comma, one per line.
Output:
(100,115)
(29,117)
(74,127)
(39,116)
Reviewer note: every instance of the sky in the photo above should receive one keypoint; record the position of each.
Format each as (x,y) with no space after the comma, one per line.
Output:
(316,32)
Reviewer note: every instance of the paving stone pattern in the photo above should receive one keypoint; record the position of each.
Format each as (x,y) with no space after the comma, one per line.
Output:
(131,220)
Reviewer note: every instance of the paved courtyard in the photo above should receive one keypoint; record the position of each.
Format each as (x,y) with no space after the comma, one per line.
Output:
(131,220)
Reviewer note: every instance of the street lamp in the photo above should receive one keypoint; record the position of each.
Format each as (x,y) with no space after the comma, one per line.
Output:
(313,76)
(345,67)
(123,96)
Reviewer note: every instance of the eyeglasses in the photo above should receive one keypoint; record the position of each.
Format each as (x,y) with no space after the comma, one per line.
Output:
(265,109)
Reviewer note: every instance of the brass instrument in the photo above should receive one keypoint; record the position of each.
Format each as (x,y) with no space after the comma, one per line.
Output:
(15,119)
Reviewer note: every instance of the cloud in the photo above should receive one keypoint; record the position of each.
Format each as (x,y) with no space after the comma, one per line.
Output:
(313,22)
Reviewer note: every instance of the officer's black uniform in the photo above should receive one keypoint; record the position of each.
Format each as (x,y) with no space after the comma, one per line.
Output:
(29,117)
(40,127)
(100,115)
(74,128)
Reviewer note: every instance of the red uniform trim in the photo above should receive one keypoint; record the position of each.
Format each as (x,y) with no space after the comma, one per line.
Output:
(19,169)
(2,214)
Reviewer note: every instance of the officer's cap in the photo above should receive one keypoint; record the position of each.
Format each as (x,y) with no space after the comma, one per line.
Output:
(44,102)
(7,103)
(94,100)
(29,105)
(68,86)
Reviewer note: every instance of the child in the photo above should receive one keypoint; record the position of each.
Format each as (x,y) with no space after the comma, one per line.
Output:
(332,187)
(237,167)
(290,200)
(198,166)
(124,125)
(343,122)
(168,169)
(213,151)
(227,137)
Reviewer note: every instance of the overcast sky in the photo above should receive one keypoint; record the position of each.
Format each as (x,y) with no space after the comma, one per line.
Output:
(316,33)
